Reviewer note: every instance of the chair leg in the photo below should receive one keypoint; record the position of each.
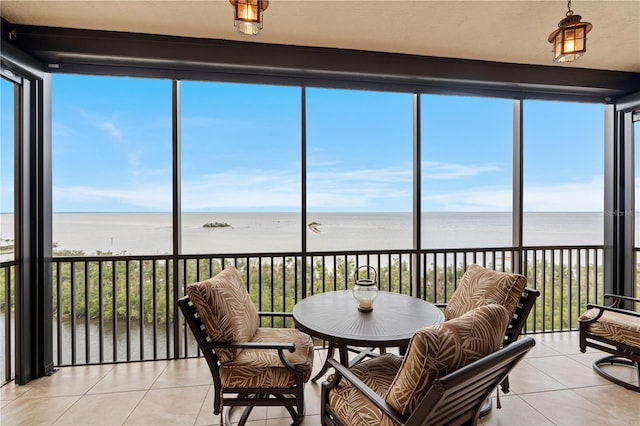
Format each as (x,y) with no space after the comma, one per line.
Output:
(330,350)
(243,418)
(505,385)
(616,360)
(487,406)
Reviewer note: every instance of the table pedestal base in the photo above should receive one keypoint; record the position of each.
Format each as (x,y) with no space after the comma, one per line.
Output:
(343,351)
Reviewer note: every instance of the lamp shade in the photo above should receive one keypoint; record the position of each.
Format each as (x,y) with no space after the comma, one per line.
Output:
(570,39)
(248,15)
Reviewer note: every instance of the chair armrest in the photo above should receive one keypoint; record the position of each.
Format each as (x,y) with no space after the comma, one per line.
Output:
(291,347)
(343,372)
(441,305)
(275,314)
(610,309)
(617,298)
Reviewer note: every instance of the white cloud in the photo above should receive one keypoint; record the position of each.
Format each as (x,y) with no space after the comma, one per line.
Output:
(151,197)
(239,190)
(565,197)
(355,189)
(365,176)
(111,129)
(469,200)
(587,195)
(444,171)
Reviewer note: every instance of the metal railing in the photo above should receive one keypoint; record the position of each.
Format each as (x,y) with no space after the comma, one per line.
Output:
(121,308)
(636,254)
(7,328)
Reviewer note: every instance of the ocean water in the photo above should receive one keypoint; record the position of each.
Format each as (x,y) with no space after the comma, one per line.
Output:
(151,233)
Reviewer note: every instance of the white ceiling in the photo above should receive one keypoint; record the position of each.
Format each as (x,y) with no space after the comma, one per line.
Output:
(504,31)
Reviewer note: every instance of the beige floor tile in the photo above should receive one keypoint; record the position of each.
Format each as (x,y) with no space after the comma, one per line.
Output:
(567,371)
(255,423)
(67,381)
(588,357)
(312,407)
(36,411)
(626,373)
(278,413)
(174,406)
(205,415)
(546,388)
(257,414)
(309,420)
(184,372)
(130,377)
(11,391)
(566,407)
(514,411)
(566,343)
(624,402)
(312,394)
(101,409)
(542,350)
(525,378)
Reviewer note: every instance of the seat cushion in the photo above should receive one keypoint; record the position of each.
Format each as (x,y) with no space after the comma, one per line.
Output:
(261,368)
(443,348)
(433,352)
(378,374)
(226,310)
(614,326)
(480,286)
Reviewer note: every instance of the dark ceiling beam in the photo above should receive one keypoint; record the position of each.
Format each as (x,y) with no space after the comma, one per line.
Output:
(15,61)
(159,56)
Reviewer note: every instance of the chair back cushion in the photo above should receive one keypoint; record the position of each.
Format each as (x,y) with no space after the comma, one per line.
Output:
(480,286)
(440,349)
(226,310)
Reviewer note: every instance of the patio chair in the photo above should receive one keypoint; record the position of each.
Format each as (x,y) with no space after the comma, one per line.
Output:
(615,330)
(447,373)
(480,286)
(251,366)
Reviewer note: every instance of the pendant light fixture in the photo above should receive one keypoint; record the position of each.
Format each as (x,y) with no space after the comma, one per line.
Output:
(248,15)
(570,39)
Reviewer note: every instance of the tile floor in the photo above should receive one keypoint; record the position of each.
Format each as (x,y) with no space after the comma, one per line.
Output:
(553,385)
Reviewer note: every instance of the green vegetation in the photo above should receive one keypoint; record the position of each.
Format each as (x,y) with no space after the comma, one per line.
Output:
(7,276)
(143,289)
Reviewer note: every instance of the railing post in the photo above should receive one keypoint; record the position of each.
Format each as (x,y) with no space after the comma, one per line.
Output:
(177,276)
(518,258)
(417,205)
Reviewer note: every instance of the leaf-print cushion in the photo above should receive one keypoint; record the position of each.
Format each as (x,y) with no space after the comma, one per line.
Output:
(614,326)
(433,352)
(258,368)
(351,404)
(226,310)
(480,286)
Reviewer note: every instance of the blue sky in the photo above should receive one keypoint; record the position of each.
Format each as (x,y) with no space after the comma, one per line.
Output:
(6,146)
(241,149)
